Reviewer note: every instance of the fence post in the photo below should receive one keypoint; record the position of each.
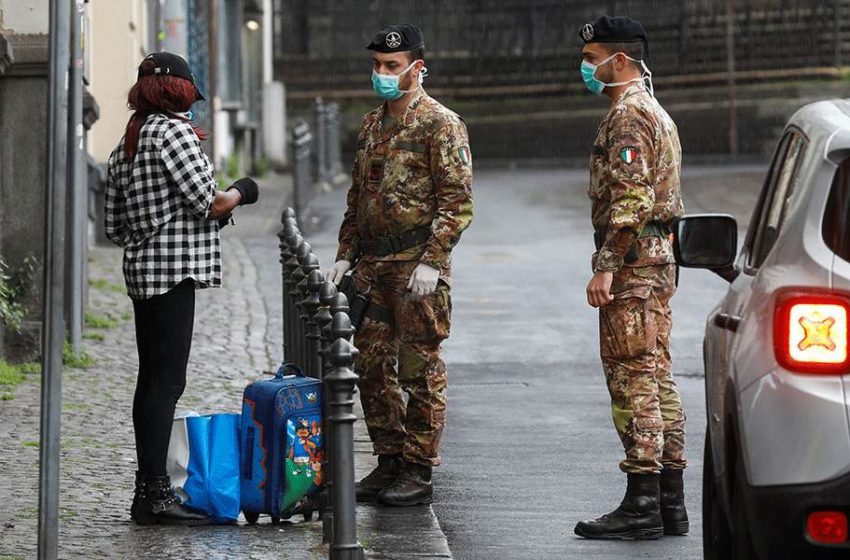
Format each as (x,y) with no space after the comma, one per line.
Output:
(321,151)
(340,382)
(286,237)
(311,305)
(301,177)
(290,327)
(334,144)
(309,263)
(338,304)
(323,319)
(298,275)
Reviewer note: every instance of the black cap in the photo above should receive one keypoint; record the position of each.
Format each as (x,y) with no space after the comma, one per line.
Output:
(618,29)
(397,38)
(170,64)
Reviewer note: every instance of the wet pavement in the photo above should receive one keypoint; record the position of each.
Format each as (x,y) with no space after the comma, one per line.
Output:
(237,336)
(529,449)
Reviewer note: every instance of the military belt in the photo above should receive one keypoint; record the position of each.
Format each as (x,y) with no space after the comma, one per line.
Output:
(390,244)
(652,229)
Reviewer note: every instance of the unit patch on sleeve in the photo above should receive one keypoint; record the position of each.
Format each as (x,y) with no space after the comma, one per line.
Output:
(628,154)
(465,155)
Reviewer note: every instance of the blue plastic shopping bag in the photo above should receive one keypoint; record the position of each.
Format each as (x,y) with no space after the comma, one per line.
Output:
(203,463)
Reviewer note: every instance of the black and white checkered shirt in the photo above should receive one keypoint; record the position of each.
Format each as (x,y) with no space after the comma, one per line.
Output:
(157,208)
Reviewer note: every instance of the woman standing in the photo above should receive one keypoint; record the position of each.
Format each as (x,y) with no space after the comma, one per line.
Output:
(163,209)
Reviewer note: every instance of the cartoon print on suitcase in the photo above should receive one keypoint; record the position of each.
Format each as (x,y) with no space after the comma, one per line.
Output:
(282,444)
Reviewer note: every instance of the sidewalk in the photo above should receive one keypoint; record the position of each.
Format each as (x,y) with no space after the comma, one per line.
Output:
(237,335)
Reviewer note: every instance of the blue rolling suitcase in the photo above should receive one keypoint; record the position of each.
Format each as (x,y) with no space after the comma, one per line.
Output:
(282,444)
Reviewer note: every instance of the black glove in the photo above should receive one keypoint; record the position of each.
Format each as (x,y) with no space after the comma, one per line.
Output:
(247,187)
(226,220)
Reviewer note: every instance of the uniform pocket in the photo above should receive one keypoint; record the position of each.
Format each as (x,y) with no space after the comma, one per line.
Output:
(427,319)
(627,328)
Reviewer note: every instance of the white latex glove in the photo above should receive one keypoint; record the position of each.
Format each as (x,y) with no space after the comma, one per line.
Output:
(423,281)
(339,269)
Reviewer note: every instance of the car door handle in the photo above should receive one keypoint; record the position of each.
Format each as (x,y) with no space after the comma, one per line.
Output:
(726,321)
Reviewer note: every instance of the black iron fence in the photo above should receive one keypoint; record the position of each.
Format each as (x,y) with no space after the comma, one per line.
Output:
(317,335)
(491,43)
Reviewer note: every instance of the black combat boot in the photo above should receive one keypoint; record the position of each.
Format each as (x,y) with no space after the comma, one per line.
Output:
(158,504)
(673,511)
(137,492)
(637,518)
(389,467)
(413,486)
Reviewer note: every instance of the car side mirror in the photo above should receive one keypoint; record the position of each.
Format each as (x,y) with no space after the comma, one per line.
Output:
(707,241)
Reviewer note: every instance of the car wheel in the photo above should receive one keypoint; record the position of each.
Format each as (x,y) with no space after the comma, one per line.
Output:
(743,540)
(716,537)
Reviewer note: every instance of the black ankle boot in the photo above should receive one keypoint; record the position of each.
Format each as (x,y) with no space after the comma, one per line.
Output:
(673,511)
(412,487)
(637,518)
(158,504)
(137,492)
(389,466)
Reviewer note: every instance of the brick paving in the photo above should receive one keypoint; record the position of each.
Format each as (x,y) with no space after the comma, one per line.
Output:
(238,333)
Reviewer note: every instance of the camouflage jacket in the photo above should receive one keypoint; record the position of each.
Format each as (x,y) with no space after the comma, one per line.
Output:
(417,173)
(634,179)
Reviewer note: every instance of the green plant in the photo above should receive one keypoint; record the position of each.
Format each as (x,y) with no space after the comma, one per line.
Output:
(94,336)
(73,359)
(261,166)
(106,286)
(13,286)
(94,321)
(233,166)
(12,375)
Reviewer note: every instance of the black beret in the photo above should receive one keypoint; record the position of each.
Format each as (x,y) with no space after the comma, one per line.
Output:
(396,38)
(618,29)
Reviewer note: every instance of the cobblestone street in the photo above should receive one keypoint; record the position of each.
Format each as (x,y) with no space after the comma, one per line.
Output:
(237,336)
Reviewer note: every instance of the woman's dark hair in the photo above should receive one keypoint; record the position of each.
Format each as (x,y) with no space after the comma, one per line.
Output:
(156,94)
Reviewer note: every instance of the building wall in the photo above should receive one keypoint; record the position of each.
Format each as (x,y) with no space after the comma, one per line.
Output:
(118,44)
(19,16)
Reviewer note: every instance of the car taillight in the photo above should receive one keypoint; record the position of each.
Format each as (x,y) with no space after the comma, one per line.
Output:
(810,333)
(827,527)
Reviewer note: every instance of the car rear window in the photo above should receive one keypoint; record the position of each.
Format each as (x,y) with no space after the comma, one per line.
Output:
(835,220)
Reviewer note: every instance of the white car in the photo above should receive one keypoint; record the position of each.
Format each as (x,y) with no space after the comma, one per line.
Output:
(776,482)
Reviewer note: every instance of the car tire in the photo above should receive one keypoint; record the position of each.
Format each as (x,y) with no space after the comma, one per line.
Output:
(743,547)
(716,536)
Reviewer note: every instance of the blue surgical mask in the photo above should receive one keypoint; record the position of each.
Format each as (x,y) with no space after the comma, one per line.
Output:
(386,85)
(595,86)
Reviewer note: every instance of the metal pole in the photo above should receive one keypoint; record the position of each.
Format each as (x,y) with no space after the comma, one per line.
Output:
(321,142)
(730,73)
(323,319)
(78,191)
(311,306)
(286,234)
(339,304)
(289,287)
(836,29)
(308,265)
(341,382)
(53,332)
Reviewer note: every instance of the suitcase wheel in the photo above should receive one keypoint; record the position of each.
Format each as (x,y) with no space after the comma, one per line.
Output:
(275,520)
(251,517)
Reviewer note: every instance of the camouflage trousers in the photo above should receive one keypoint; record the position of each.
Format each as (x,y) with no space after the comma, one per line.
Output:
(634,334)
(403,357)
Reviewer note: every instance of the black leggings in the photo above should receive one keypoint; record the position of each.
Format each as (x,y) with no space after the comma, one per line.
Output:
(164,325)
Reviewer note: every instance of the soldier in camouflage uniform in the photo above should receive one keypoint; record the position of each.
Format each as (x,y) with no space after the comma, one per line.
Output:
(410,200)
(634,189)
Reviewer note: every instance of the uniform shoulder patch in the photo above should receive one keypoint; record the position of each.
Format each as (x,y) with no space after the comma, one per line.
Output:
(628,154)
(465,155)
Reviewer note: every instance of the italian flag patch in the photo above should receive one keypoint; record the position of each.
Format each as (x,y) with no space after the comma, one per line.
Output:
(628,154)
